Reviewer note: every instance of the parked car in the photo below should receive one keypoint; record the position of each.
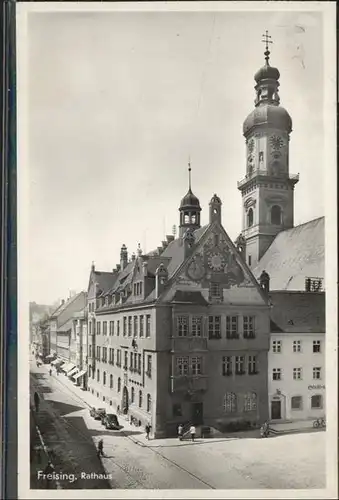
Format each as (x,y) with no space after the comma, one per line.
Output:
(110,421)
(97,413)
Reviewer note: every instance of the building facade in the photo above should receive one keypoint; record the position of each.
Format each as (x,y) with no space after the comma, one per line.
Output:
(181,334)
(292,257)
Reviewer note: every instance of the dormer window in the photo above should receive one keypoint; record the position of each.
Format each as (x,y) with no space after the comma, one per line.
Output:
(106,301)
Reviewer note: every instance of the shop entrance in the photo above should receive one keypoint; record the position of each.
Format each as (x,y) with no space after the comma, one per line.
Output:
(276,410)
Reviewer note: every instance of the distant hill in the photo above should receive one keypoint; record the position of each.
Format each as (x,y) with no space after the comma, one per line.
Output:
(38,312)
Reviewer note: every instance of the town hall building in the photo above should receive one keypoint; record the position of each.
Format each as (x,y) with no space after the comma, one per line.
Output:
(190,332)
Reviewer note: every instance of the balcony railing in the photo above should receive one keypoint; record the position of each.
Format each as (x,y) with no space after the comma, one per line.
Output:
(188,383)
(189,344)
(263,173)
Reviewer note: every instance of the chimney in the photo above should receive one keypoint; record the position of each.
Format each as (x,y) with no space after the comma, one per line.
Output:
(164,244)
(133,257)
(161,278)
(118,267)
(170,237)
(62,302)
(159,250)
(123,256)
(114,270)
(144,268)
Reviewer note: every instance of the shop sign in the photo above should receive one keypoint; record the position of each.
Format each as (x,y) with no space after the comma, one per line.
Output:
(310,387)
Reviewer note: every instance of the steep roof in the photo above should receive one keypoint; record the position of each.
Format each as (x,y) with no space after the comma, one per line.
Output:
(294,255)
(297,312)
(105,280)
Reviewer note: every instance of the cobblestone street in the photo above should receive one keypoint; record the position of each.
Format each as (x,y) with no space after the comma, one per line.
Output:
(240,462)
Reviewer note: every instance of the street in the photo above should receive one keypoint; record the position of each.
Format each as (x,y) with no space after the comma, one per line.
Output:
(240,462)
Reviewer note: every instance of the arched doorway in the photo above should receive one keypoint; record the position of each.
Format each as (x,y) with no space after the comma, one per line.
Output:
(125,400)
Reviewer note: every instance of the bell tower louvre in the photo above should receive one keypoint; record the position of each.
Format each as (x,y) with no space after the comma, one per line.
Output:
(267,188)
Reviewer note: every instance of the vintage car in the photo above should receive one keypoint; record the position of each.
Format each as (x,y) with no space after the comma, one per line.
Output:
(110,421)
(97,413)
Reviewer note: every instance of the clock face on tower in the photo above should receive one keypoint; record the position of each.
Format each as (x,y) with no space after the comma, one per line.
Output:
(216,261)
(196,270)
(276,142)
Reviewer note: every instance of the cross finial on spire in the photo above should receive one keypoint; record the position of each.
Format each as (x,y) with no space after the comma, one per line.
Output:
(189,173)
(267,40)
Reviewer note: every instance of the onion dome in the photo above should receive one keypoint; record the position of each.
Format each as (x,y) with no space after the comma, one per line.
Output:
(267,72)
(268,114)
(190,200)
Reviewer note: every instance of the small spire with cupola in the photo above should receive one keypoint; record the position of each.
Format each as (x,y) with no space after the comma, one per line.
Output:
(189,209)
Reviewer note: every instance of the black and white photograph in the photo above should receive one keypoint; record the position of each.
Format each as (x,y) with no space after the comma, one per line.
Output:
(176,249)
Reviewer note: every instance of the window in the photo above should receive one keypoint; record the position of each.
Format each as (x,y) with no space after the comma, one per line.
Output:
(90,350)
(248,326)
(215,291)
(252,365)
(111,328)
(111,381)
(111,356)
(250,217)
(296,346)
(297,373)
(104,354)
(316,346)
(196,366)
(135,332)
(132,395)
(239,365)
(141,326)
(90,327)
(149,366)
(104,378)
(276,374)
(140,399)
(126,360)
(182,325)
(196,326)
(98,327)
(232,327)
(182,365)
(317,372)
(276,346)
(149,403)
(131,361)
(119,357)
(230,402)
(250,260)
(98,375)
(104,328)
(98,353)
(139,363)
(135,361)
(177,410)
(250,401)
(148,325)
(118,328)
(276,215)
(124,326)
(119,384)
(316,402)
(226,365)
(296,403)
(261,156)
(140,287)
(130,326)
(214,327)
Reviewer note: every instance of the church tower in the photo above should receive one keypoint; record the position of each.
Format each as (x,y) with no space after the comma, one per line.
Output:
(268,187)
(189,210)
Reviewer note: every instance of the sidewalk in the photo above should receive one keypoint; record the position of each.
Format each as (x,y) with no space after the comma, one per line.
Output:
(295,426)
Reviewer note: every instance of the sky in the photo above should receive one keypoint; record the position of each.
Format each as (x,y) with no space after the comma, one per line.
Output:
(118,103)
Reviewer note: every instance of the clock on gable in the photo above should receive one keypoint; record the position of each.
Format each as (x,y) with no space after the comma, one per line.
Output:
(216,261)
(276,142)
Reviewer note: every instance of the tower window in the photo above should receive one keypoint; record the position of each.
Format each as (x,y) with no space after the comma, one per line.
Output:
(250,217)
(250,260)
(261,156)
(276,215)
(186,218)
(193,219)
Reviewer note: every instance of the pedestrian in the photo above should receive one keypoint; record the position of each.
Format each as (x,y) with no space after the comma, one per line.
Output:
(100,448)
(180,430)
(36,401)
(50,371)
(148,430)
(192,432)
(49,469)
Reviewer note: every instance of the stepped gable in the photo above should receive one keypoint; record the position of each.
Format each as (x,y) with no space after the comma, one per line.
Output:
(294,255)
